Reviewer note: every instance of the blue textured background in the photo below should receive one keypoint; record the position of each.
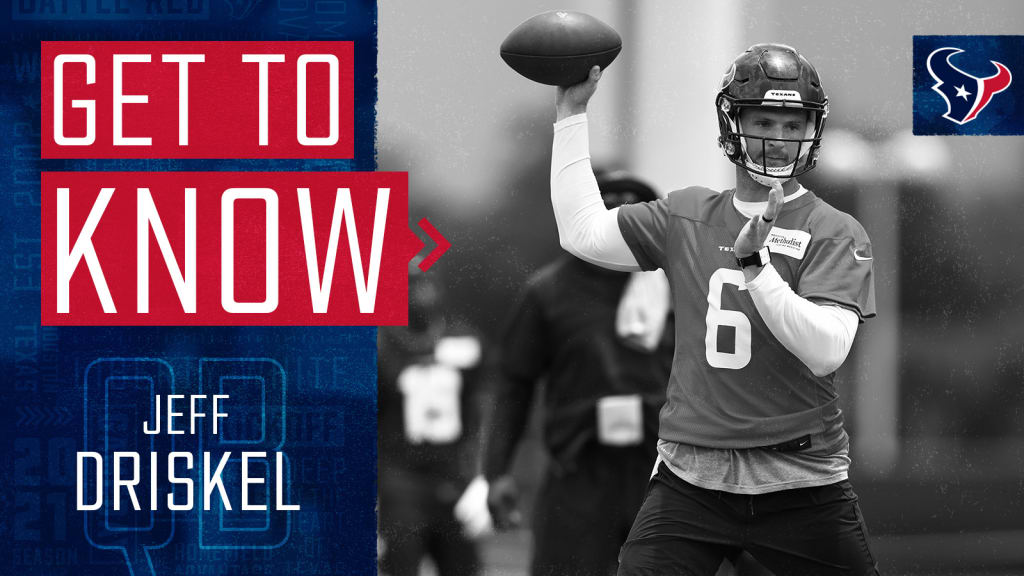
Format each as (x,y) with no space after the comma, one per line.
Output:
(1004,114)
(330,373)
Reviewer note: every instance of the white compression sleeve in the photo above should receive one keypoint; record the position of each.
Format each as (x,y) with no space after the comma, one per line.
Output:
(820,336)
(586,229)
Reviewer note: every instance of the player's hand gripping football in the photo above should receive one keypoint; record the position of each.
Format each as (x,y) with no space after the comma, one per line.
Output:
(755,232)
(572,100)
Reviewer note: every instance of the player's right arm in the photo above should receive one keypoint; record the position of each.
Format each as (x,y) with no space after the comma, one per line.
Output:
(586,229)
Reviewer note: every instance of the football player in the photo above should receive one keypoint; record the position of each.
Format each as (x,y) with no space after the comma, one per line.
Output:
(602,394)
(427,449)
(769,284)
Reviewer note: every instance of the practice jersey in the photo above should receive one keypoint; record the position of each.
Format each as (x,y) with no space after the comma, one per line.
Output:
(426,403)
(733,384)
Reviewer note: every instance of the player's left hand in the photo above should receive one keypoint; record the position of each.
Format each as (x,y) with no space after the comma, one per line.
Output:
(755,232)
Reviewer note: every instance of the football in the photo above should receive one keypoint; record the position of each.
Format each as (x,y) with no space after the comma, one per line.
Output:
(560,47)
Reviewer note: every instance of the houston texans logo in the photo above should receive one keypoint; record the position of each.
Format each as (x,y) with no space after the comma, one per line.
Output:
(965,95)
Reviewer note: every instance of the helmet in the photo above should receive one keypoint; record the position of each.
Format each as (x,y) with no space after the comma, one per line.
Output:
(619,187)
(770,75)
(426,297)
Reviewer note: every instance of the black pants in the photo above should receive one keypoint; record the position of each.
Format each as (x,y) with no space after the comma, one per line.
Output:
(417,521)
(686,530)
(583,515)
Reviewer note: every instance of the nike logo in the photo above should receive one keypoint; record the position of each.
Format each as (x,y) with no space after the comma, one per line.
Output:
(858,256)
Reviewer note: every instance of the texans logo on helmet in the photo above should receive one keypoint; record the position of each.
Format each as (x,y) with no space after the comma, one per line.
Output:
(965,95)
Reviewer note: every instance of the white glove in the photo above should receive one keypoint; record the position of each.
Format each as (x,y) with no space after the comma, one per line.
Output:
(471,510)
(643,309)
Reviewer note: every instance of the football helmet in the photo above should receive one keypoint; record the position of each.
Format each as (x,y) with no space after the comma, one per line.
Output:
(619,187)
(770,75)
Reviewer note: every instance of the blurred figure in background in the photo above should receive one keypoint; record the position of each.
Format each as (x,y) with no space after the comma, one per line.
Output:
(428,449)
(604,387)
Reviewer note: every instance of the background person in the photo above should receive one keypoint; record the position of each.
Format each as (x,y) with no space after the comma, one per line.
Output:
(602,394)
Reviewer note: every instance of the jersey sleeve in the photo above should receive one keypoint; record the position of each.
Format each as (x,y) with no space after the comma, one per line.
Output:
(644,227)
(839,269)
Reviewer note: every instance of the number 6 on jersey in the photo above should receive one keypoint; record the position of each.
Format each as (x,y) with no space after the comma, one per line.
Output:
(740,356)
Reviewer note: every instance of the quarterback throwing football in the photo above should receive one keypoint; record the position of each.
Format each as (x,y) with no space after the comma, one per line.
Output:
(769,284)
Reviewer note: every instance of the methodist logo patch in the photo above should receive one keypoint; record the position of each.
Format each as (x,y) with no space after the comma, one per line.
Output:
(964,85)
(792,243)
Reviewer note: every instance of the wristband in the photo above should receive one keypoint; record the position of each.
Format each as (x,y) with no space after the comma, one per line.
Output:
(759,259)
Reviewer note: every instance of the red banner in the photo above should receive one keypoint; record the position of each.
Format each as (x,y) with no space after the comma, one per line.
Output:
(225,248)
(197,99)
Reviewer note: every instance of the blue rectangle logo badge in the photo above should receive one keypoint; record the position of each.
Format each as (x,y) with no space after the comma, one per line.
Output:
(965,85)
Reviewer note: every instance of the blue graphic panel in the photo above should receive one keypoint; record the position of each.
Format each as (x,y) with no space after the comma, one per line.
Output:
(308,393)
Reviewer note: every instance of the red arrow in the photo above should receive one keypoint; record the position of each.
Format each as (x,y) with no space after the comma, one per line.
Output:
(442,245)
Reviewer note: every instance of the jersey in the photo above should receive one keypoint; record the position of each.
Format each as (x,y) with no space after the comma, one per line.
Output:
(426,402)
(733,384)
